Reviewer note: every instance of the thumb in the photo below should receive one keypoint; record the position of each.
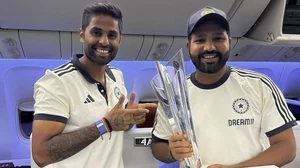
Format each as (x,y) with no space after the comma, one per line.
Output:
(121,101)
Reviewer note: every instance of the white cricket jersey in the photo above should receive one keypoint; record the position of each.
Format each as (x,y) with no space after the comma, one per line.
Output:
(68,94)
(233,117)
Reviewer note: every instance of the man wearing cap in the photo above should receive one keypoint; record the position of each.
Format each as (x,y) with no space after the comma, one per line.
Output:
(240,117)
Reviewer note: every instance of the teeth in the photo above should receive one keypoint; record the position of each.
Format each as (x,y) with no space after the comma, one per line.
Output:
(102,51)
(209,56)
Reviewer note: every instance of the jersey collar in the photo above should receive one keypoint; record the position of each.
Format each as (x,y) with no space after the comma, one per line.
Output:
(85,74)
(213,85)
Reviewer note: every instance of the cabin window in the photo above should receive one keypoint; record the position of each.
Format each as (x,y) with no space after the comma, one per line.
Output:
(26,117)
(150,117)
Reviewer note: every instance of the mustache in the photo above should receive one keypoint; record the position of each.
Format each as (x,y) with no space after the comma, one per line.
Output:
(218,54)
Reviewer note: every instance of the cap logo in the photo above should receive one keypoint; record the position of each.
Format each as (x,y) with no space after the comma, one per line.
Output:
(207,11)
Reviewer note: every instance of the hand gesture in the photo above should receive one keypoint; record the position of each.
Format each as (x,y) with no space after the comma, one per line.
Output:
(120,118)
(139,118)
(180,148)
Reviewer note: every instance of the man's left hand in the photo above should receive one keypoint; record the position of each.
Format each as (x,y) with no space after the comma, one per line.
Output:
(140,117)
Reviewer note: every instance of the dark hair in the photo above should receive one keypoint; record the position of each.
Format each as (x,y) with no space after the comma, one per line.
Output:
(101,8)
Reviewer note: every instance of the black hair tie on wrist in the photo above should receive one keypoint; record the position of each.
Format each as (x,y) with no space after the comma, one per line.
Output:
(109,126)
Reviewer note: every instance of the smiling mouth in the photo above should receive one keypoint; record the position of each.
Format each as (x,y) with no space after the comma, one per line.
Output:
(210,58)
(102,51)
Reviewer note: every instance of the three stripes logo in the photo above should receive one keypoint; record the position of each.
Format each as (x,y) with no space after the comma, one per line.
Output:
(89,99)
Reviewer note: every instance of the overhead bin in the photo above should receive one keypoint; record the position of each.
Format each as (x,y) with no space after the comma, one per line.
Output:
(165,18)
(269,27)
(65,45)
(40,44)
(266,40)
(130,47)
(144,39)
(77,46)
(245,15)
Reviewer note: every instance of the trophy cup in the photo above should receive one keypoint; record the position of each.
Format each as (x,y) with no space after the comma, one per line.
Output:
(171,90)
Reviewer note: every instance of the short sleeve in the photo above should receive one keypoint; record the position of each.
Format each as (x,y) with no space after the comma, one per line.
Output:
(52,102)
(276,116)
(162,130)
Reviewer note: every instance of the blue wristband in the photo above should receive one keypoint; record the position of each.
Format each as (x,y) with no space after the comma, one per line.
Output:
(101,127)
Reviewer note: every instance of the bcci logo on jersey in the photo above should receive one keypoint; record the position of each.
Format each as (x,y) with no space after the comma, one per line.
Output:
(117,92)
(240,105)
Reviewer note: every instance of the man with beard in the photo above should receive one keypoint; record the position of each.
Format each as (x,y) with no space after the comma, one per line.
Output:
(240,117)
(80,113)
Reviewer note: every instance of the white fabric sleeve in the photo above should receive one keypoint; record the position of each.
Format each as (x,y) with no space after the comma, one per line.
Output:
(276,116)
(52,101)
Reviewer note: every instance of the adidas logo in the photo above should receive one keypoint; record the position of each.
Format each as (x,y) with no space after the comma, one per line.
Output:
(89,99)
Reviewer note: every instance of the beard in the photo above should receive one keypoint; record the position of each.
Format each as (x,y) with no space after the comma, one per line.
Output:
(211,67)
(97,58)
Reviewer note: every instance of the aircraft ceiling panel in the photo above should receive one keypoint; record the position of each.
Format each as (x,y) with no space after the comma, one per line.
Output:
(245,53)
(179,42)
(40,44)
(160,47)
(233,42)
(296,58)
(10,46)
(65,45)
(147,44)
(284,53)
(242,50)
(151,17)
(265,53)
(291,55)
(130,47)
(77,46)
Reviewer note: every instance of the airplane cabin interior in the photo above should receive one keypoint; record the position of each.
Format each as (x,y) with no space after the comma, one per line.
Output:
(39,35)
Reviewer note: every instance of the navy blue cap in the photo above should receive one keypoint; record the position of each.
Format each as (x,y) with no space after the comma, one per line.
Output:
(207,14)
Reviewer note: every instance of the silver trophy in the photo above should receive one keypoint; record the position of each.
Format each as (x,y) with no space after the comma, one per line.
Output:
(171,90)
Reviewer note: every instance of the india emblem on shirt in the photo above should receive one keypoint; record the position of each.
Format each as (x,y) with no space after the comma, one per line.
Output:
(240,105)
(117,92)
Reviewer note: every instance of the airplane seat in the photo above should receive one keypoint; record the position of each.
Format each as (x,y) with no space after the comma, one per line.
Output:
(18,86)
(272,69)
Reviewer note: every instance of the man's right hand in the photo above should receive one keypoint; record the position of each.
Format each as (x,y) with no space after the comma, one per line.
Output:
(180,148)
(120,118)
